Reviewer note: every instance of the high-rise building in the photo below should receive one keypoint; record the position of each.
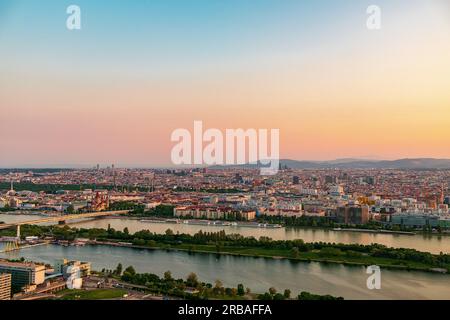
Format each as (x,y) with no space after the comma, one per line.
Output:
(5,286)
(331,179)
(23,274)
(352,214)
(370,180)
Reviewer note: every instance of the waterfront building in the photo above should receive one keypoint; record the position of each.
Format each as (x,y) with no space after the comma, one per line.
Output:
(5,286)
(73,277)
(206,212)
(63,266)
(23,274)
(314,213)
(415,220)
(444,223)
(352,214)
(284,212)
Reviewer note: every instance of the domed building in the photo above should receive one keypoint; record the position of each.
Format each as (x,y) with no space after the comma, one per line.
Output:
(11,192)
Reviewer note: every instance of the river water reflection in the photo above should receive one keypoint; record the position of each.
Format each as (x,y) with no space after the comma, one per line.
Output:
(257,273)
(433,244)
(427,243)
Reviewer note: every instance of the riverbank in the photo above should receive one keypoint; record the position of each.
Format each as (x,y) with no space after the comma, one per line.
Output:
(257,273)
(282,223)
(163,220)
(421,242)
(375,231)
(221,242)
(279,254)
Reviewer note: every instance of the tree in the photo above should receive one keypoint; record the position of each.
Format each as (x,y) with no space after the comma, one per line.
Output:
(295,252)
(229,292)
(125,230)
(168,276)
(218,287)
(169,232)
(70,209)
(130,270)
(265,296)
(287,293)
(240,289)
(218,284)
(309,296)
(128,274)
(330,252)
(278,296)
(272,290)
(118,270)
(192,280)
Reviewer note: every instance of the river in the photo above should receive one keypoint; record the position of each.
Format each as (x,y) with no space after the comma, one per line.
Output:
(427,243)
(257,273)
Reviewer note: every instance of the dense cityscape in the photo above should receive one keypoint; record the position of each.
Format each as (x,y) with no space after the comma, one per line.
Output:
(223,159)
(408,198)
(380,201)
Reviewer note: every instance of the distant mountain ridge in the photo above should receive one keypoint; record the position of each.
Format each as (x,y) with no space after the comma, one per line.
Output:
(417,163)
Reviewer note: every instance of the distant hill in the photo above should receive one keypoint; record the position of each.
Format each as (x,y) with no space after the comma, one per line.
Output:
(419,163)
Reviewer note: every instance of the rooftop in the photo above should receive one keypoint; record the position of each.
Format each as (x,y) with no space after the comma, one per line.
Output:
(31,265)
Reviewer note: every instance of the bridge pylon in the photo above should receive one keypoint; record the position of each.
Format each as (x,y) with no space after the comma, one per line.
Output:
(12,246)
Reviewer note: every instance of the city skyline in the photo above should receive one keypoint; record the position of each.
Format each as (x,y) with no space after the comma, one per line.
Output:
(220,158)
(413,163)
(116,89)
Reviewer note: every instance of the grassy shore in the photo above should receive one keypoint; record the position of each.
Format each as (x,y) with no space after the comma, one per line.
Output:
(312,256)
(97,294)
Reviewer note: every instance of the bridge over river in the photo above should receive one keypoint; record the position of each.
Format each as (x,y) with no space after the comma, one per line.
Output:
(61,218)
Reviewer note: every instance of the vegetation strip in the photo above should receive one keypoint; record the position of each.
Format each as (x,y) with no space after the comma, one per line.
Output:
(222,243)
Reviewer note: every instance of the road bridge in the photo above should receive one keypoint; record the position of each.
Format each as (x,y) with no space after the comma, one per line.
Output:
(61,218)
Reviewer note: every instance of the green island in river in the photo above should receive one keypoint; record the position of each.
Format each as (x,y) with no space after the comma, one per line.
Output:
(235,244)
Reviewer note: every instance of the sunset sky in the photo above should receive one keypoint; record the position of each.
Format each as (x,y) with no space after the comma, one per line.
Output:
(114,91)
